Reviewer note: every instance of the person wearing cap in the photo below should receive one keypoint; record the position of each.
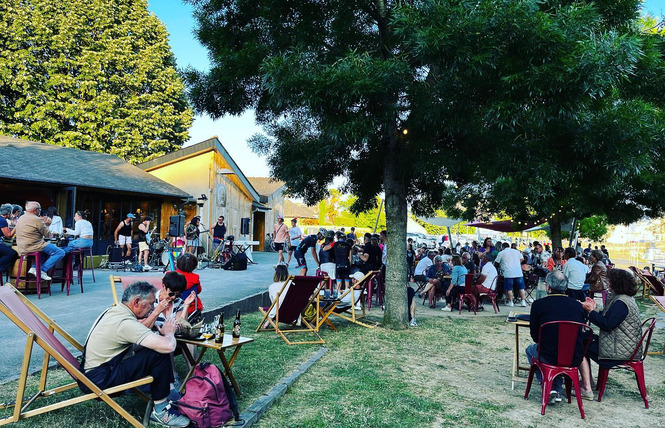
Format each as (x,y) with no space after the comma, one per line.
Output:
(123,237)
(355,279)
(280,234)
(309,243)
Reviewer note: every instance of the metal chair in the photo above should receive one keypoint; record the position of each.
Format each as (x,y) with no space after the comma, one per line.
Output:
(38,265)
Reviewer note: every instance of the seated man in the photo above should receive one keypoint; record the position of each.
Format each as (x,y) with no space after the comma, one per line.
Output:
(435,283)
(30,233)
(557,306)
(486,281)
(105,359)
(420,273)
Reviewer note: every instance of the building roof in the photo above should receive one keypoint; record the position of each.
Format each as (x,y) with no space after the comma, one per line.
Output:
(266,186)
(292,209)
(30,161)
(196,149)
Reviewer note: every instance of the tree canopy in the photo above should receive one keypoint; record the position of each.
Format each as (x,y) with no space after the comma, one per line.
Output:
(90,74)
(477,107)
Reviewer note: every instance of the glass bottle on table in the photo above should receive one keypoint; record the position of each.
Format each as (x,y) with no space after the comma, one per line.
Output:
(236,325)
(220,329)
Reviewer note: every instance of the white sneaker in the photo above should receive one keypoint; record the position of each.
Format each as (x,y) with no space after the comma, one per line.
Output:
(413,323)
(45,276)
(446,309)
(529,300)
(32,271)
(147,268)
(510,303)
(523,303)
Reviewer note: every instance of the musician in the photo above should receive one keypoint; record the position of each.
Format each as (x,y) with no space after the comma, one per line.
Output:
(192,233)
(144,242)
(218,231)
(123,237)
(83,230)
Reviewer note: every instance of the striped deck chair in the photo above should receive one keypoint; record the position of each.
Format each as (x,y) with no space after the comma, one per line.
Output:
(174,253)
(40,329)
(125,281)
(298,291)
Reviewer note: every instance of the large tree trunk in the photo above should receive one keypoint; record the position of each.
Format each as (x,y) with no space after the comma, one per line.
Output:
(555,230)
(396,312)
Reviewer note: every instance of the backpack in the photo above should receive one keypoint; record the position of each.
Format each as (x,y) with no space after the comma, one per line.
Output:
(205,401)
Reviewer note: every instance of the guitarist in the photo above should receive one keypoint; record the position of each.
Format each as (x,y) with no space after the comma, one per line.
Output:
(144,242)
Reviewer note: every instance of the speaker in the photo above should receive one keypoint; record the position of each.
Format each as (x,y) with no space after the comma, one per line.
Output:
(177,225)
(115,254)
(244,226)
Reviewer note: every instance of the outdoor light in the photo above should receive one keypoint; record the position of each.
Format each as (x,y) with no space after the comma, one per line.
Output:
(201,200)
(405,131)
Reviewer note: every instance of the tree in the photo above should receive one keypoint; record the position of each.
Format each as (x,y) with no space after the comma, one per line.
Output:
(594,228)
(400,97)
(90,74)
(581,114)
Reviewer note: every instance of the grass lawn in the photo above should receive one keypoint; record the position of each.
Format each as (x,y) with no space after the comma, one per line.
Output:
(450,370)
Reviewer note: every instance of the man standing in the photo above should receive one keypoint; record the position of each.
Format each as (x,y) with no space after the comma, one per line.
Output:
(144,242)
(123,237)
(510,262)
(295,237)
(115,332)
(218,231)
(7,253)
(576,273)
(352,235)
(30,233)
(309,243)
(555,307)
(280,234)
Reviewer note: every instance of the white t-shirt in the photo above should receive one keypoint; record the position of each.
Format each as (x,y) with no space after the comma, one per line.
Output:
(490,273)
(422,266)
(294,235)
(273,289)
(510,261)
(56,225)
(576,272)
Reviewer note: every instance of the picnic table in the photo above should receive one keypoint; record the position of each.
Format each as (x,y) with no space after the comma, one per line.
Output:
(229,342)
(519,323)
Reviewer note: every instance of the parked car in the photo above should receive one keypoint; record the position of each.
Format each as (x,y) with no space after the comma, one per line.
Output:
(419,239)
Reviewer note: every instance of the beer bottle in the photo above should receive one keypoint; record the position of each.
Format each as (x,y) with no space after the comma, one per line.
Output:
(236,325)
(220,329)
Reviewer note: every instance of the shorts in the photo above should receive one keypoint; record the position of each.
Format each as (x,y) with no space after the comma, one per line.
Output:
(143,246)
(279,246)
(342,273)
(193,242)
(328,268)
(124,240)
(292,247)
(509,283)
(300,259)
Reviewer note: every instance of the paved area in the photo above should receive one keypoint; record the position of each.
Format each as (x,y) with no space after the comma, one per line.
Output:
(76,312)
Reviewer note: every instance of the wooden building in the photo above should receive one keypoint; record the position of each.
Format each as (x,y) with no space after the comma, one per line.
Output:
(103,185)
(271,193)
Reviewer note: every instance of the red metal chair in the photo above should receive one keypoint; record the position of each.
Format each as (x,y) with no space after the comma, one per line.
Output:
(634,364)
(567,344)
(491,295)
(38,265)
(468,295)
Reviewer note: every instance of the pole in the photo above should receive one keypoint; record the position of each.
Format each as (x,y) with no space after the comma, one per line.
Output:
(573,228)
(378,214)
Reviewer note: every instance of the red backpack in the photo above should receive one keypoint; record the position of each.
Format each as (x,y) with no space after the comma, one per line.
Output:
(205,401)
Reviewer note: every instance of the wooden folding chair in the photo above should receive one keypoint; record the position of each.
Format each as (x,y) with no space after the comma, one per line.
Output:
(299,292)
(348,312)
(40,329)
(653,284)
(125,281)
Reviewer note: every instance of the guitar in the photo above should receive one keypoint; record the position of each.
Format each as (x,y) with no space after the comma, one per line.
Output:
(148,236)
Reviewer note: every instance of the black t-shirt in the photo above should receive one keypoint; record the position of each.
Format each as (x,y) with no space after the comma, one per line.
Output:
(307,243)
(374,253)
(219,231)
(410,256)
(342,250)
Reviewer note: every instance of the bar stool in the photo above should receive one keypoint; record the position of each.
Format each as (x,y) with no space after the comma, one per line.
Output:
(89,255)
(38,267)
(69,271)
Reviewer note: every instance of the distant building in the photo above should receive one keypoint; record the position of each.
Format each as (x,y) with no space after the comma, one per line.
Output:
(271,195)
(207,171)
(104,185)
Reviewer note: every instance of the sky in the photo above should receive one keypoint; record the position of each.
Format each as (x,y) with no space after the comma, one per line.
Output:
(232,131)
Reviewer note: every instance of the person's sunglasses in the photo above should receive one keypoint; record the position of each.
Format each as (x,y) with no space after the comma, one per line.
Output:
(173,293)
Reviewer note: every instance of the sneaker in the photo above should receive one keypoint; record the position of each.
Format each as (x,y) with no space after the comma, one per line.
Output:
(147,268)
(32,271)
(169,417)
(529,300)
(553,397)
(510,303)
(358,307)
(446,309)
(413,323)
(523,303)
(44,276)
(128,262)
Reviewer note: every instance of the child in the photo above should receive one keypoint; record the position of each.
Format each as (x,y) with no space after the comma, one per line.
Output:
(185,264)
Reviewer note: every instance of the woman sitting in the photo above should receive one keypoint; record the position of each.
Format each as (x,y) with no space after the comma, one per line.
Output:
(168,303)
(556,261)
(281,275)
(185,264)
(597,278)
(456,283)
(620,327)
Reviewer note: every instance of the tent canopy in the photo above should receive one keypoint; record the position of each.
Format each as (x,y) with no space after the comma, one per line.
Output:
(441,221)
(506,226)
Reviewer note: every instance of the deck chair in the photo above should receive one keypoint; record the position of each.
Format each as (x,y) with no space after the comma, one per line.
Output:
(40,329)
(174,253)
(653,285)
(349,312)
(124,282)
(299,292)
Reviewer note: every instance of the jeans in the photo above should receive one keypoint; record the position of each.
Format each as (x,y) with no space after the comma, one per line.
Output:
(53,255)
(532,354)
(7,257)
(78,243)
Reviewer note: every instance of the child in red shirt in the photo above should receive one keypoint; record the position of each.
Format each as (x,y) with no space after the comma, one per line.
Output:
(185,264)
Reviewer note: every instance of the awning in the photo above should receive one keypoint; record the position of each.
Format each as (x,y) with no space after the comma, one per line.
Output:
(257,207)
(506,226)
(441,221)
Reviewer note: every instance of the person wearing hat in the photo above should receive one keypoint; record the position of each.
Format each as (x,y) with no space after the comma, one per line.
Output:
(355,279)
(309,243)
(486,282)
(295,236)
(280,234)
(123,237)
